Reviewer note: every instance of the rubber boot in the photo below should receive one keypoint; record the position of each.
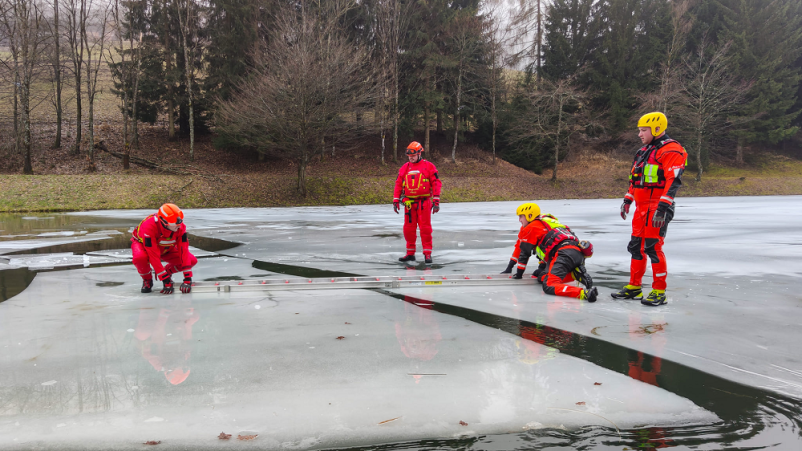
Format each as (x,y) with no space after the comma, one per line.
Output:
(628,292)
(655,298)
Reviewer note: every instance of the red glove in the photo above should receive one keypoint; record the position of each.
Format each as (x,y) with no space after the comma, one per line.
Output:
(186,287)
(168,283)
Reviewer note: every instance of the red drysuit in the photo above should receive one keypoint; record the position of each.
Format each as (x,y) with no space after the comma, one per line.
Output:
(654,180)
(152,243)
(418,182)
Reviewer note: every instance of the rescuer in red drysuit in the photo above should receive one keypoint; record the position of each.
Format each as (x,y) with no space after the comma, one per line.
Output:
(163,236)
(419,185)
(561,253)
(653,183)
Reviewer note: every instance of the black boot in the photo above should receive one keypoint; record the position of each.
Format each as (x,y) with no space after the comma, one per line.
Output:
(590,295)
(147,285)
(407,258)
(628,292)
(427,259)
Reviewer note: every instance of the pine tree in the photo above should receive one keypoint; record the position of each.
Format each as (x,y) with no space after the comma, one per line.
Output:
(767,42)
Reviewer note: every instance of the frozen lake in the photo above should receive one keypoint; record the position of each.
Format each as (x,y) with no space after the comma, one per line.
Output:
(87,362)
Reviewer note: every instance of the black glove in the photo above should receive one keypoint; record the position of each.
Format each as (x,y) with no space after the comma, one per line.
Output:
(625,208)
(541,269)
(396,206)
(659,218)
(186,287)
(509,267)
(168,286)
(519,274)
(435,205)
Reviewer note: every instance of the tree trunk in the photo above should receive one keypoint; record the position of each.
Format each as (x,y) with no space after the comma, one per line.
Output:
(57,73)
(557,142)
(188,65)
(134,120)
(25,103)
(78,107)
(456,116)
(426,128)
(699,153)
(539,38)
(170,93)
(739,152)
(439,122)
(303,161)
(17,134)
(90,96)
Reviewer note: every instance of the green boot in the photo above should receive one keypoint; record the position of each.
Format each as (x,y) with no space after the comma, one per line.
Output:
(655,298)
(629,292)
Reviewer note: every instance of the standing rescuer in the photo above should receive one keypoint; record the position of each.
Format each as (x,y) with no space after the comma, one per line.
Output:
(653,182)
(561,253)
(419,185)
(163,237)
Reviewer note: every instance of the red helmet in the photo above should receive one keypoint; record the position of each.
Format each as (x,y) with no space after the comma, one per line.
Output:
(414,148)
(170,214)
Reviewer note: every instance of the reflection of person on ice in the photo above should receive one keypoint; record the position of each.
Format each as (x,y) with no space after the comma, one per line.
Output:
(653,183)
(163,237)
(561,254)
(420,185)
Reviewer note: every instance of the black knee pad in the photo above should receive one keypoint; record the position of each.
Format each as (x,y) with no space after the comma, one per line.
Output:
(634,248)
(650,250)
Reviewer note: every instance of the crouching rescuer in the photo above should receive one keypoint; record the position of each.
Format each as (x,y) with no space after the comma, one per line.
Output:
(163,237)
(418,189)
(561,254)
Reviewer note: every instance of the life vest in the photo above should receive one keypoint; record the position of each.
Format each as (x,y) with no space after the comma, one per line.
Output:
(646,170)
(416,184)
(558,234)
(164,241)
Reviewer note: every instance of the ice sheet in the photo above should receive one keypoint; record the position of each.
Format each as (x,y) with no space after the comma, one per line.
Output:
(116,368)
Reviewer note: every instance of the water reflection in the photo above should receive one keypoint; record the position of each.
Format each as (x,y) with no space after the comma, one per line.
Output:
(165,337)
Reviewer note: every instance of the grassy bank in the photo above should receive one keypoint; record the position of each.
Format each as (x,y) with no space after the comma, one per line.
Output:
(599,178)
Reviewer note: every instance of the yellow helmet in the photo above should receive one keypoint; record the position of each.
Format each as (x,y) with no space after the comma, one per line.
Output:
(656,120)
(530,210)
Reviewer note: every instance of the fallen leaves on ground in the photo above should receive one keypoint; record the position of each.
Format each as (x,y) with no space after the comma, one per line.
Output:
(581,403)
(387,421)
(340,337)
(224,436)
(597,383)
(247,437)
(462,423)
(152,442)
(347,322)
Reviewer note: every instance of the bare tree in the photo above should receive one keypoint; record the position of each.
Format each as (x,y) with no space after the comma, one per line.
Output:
(556,112)
(465,33)
(392,20)
(76,11)
(58,83)
(497,40)
(713,94)
(95,43)
(527,26)
(23,21)
(187,24)
(304,81)
(124,72)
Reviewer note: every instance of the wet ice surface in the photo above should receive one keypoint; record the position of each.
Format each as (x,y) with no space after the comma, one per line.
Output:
(88,361)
